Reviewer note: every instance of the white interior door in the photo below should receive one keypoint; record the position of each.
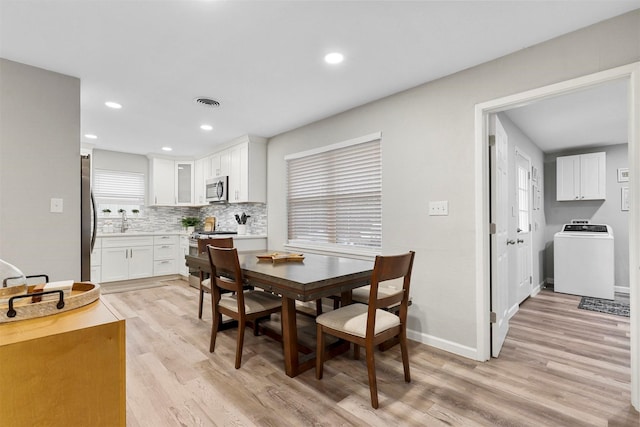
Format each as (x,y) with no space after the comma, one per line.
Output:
(499,239)
(523,238)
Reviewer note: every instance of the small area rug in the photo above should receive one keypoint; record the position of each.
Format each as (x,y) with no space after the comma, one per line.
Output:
(604,306)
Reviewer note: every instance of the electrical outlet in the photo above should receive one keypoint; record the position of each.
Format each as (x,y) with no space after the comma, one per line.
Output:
(439,208)
(56,206)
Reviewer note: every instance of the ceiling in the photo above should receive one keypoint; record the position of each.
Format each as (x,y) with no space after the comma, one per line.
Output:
(591,117)
(262,60)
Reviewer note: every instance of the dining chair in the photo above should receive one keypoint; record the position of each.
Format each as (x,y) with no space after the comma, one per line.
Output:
(370,325)
(241,306)
(205,284)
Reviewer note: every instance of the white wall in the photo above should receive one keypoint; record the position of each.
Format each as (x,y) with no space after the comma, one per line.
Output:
(428,154)
(606,211)
(39,160)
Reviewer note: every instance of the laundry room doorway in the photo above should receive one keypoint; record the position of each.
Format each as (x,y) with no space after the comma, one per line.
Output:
(485,228)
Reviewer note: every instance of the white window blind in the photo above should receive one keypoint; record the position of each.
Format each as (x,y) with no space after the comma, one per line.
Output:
(118,187)
(334,196)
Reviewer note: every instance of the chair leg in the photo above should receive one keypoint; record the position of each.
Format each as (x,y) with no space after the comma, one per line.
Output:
(356,351)
(371,370)
(405,355)
(217,319)
(318,307)
(319,352)
(200,304)
(241,326)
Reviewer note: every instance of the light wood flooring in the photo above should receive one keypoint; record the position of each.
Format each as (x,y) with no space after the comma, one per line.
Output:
(560,366)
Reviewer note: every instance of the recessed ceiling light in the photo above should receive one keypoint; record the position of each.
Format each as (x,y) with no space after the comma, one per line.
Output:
(206,127)
(334,58)
(90,136)
(167,149)
(112,104)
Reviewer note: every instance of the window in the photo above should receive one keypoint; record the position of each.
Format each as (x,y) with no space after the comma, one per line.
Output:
(116,190)
(334,195)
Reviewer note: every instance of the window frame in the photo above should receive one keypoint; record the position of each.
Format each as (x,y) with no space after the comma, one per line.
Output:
(334,248)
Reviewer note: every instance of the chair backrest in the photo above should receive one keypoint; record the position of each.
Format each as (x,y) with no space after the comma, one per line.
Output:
(388,268)
(225,271)
(223,242)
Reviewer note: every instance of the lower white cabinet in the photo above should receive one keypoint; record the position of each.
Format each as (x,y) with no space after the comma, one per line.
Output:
(183,270)
(164,255)
(125,258)
(96,261)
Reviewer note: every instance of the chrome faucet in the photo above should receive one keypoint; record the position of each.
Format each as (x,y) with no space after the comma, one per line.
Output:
(125,222)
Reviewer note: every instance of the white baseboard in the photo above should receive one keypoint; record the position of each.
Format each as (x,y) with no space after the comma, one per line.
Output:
(451,347)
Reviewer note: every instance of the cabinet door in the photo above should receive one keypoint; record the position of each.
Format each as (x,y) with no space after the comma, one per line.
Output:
(235,174)
(163,182)
(140,262)
(568,178)
(592,176)
(198,181)
(225,163)
(115,264)
(214,167)
(184,183)
(96,276)
(180,259)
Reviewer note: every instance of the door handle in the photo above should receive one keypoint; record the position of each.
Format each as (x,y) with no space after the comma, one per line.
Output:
(511,242)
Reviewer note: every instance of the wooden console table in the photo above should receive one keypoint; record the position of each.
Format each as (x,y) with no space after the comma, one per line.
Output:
(66,369)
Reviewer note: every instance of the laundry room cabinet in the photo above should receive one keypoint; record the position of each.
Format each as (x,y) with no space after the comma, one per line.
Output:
(581,177)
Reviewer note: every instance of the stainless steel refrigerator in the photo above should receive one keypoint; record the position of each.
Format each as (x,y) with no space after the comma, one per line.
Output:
(88,219)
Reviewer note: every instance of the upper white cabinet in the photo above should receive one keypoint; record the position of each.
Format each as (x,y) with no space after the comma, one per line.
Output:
(171,182)
(162,182)
(199,179)
(248,171)
(184,182)
(581,177)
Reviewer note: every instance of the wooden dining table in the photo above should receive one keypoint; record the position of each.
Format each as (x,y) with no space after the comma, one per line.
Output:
(315,277)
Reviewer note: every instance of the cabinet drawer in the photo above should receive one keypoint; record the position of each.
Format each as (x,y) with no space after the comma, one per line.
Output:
(119,242)
(164,252)
(165,240)
(164,267)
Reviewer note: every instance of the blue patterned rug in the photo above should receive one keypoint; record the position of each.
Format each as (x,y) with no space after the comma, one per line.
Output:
(604,306)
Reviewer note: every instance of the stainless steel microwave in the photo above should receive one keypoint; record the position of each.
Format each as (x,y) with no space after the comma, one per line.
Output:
(216,189)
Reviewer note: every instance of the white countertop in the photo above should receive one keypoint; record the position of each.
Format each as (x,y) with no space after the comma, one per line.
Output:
(177,233)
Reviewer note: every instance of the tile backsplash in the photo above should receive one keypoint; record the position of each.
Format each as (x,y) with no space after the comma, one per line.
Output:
(167,218)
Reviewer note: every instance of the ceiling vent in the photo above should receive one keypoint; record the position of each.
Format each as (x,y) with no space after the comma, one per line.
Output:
(207,102)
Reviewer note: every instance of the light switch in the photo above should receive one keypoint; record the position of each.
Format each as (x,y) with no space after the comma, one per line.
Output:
(56,205)
(439,208)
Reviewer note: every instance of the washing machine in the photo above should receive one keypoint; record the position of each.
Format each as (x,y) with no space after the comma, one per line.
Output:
(583,260)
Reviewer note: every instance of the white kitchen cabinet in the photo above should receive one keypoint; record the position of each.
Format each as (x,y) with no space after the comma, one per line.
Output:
(248,171)
(125,258)
(164,254)
(184,180)
(198,181)
(171,182)
(581,177)
(183,270)
(96,261)
(162,181)
(250,244)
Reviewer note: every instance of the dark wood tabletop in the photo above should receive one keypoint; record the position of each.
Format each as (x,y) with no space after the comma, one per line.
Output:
(315,277)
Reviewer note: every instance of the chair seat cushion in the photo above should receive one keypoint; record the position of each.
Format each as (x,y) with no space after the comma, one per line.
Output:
(362,294)
(352,319)
(254,301)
